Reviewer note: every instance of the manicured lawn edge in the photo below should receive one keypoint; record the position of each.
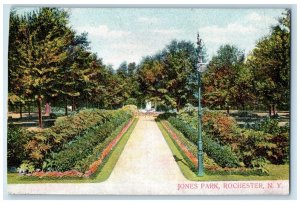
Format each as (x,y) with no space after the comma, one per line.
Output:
(277,172)
(103,172)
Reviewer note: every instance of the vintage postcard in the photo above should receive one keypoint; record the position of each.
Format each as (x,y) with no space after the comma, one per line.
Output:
(148,101)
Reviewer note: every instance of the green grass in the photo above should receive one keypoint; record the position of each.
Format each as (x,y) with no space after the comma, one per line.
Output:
(101,175)
(276,172)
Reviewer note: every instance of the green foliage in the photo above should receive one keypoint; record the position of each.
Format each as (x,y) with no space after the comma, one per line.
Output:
(26,167)
(170,76)
(132,108)
(222,155)
(218,125)
(227,82)
(84,164)
(45,141)
(270,126)
(280,154)
(270,64)
(254,148)
(16,139)
(83,146)
(267,144)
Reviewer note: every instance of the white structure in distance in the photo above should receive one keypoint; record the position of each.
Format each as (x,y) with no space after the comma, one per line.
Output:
(148,105)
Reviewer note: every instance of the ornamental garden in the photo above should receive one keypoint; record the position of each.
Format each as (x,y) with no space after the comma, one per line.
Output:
(70,115)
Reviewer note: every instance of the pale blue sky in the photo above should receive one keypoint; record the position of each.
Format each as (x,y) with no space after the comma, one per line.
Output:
(128,34)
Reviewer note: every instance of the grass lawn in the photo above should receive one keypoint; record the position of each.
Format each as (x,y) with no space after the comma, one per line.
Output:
(277,172)
(101,175)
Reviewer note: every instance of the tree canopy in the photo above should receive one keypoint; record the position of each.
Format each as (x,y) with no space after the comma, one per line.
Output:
(49,61)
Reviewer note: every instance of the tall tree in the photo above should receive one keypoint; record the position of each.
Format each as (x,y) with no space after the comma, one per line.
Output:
(221,80)
(169,76)
(270,65)
(43,51)
(16,88)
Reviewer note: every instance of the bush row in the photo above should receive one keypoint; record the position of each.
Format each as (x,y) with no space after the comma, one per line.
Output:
(211,167)
(268,143)
(222,155)
(79,149)
(45,141)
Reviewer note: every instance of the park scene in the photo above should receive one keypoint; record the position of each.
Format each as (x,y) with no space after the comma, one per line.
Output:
(151,97)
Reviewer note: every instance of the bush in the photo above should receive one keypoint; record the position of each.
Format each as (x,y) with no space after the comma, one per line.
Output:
(132,108)
(84,164)
(254,148)
(65,131)
(16,139)
(270,126)
(83,146)
(165,116)
(280,154)
(131,101)
(222,155)
(221,127)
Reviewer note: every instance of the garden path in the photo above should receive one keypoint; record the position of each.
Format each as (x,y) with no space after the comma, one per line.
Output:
(145,167)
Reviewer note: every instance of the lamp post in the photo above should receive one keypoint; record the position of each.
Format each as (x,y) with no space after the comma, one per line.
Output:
(200,68)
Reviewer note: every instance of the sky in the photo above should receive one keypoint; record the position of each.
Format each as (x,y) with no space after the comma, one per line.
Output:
(129,34)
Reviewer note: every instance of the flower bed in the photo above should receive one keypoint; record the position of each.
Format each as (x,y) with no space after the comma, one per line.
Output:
(93,167)
(209,168)
(45,141)
(192,158)
(221,154)
(80,148)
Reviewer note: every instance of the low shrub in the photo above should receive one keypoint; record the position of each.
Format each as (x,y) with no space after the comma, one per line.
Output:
(132,108)
(218,125)
(222,155)
(83,146)
(221,127)
(16,139)
(254,148)
(47,140)
(43,143)
(100,153)
(280,153)
(165,116)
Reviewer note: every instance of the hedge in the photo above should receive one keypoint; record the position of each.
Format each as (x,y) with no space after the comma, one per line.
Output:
(79,149)
(222,155)
(44,143)
(65,129)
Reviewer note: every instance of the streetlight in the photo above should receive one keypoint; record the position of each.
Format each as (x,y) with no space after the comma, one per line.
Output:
(200,68)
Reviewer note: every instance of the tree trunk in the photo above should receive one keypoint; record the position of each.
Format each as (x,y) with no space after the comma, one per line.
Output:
(178,105)
(73,104)
(21,116)
(270,110)
(39,104)
(274,109)
(66,107)
(29,110)
(227,108)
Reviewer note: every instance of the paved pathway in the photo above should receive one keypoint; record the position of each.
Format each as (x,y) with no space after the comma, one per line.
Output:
(145,167)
